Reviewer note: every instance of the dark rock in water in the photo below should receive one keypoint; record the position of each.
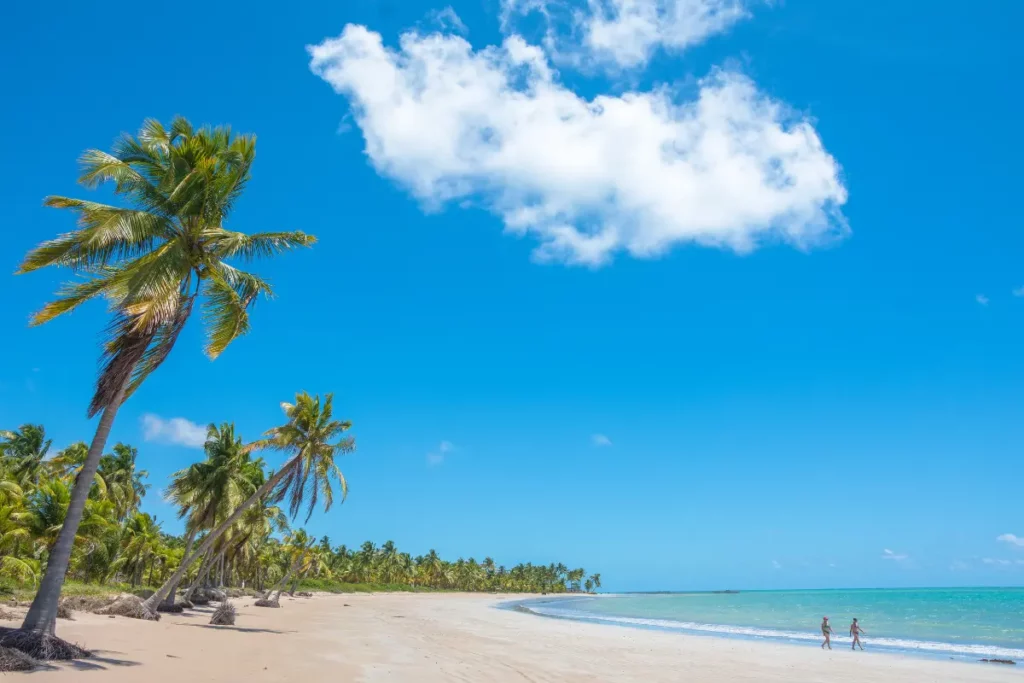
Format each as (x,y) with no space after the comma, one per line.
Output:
(1000,661)
(728,592)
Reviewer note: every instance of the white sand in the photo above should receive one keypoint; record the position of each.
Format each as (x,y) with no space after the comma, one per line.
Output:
(447,637)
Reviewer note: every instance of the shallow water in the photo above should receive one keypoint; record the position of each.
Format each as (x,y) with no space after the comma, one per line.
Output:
(967,623)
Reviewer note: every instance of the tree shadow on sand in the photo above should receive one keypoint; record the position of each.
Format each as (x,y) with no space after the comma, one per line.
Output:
(99,663)
(241,629)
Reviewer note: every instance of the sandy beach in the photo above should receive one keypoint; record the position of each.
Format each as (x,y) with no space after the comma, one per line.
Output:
(454,637)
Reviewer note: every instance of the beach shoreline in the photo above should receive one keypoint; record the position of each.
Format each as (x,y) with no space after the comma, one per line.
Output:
(781,624)
(457,637)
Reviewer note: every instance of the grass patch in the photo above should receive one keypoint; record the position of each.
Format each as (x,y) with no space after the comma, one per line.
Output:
(327,586)
(75,589)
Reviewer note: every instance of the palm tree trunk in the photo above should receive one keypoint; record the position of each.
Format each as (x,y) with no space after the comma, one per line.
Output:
(212,537)
(204,569)
(188,547)
(283,582)
(42,615)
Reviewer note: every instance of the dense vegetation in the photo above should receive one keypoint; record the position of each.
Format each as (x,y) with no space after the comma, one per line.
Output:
(121,547)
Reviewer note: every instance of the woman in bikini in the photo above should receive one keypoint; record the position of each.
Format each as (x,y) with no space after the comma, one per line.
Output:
(855,631)
(826,630)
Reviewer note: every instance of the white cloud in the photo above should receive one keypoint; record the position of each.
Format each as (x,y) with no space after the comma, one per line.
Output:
(1019,291)
(981,299)
(639,172)
(997,562)
(600,440)
(625,34)
(437,456)
(176,430)
(448,20)
(1011,539)
(896,557)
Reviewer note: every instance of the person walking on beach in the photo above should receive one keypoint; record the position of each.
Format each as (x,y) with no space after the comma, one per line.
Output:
(826,630)
(855,631)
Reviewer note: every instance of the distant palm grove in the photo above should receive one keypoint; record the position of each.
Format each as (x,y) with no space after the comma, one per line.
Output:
(118,544)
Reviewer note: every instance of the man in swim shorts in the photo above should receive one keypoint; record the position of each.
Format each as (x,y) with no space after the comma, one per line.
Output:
(855,631)
(826,630)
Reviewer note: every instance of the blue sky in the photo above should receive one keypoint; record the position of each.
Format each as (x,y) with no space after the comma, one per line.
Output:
(768,340)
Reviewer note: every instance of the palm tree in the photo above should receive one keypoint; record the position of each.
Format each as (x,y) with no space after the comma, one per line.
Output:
(297,547)
(595,581)
(140,544)
(314,439)
(122,481)
(24,450)
(152,260)
(207,492)
(70,460)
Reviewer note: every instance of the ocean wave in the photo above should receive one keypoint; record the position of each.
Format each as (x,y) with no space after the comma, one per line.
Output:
(901,644)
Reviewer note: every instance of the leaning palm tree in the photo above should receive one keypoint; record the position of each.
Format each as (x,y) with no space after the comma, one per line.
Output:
(152,260)
(209,491)
(314,439)
(297,548)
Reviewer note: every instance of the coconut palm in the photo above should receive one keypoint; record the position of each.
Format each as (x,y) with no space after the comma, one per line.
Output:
(297,548)
(69,461)
(123,483)
(208,492)
(23,451)
(314,439)
(46,510)
(152,260)
(141,545)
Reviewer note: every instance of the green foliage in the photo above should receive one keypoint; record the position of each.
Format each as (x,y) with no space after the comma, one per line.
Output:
(120,548)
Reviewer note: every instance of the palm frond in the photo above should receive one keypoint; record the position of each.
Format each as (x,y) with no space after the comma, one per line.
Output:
(106,234)
(229,244)
(71,295)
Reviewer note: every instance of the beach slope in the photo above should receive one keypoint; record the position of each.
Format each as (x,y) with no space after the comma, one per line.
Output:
(424,638)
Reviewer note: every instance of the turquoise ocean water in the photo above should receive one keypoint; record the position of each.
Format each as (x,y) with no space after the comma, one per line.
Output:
(968,623)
